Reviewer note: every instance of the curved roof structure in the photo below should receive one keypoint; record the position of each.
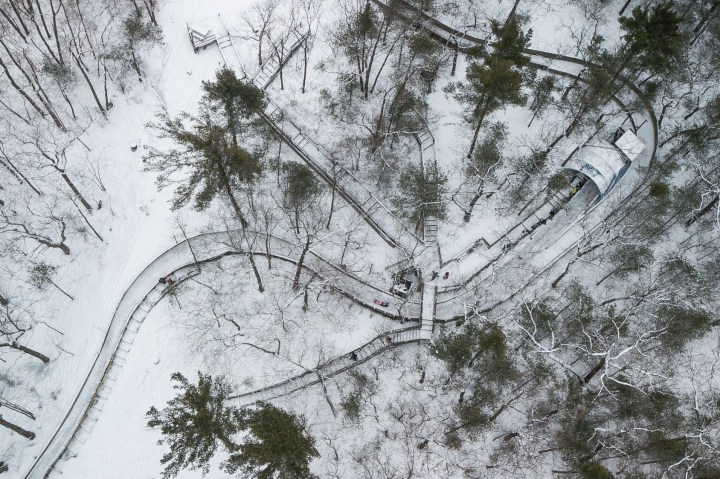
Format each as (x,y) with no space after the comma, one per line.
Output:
(601,162)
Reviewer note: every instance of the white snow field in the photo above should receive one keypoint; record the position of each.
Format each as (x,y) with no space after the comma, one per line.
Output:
(125,336)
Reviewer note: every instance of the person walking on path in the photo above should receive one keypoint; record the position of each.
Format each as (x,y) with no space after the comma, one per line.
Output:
(446,275)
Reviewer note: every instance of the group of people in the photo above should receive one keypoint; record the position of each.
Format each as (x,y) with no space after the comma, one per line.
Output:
(435,274)
(525,232)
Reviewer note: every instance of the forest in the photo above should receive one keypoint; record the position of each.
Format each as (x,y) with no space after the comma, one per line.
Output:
(360,238)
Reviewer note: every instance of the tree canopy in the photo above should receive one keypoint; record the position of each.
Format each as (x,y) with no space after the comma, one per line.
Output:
(652,37)
(277,446)
(498,80)
(209,147)
(195,423)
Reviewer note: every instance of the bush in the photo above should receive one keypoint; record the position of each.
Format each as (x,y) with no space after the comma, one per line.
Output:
(595,470)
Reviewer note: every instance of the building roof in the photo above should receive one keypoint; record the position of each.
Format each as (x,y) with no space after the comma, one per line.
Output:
(601,162)
(630,145)
(200,31)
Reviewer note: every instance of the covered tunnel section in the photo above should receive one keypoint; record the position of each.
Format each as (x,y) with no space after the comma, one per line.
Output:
(598,166)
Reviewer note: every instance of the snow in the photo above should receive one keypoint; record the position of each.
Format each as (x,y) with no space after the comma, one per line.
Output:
(630,145)
(141,229)
(599,161)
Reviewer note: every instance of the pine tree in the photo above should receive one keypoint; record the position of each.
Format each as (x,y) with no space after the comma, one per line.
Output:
(652,36)
(138,33)
(497,81)
(300,188)
(542,97)
(210,147)
(195,423)
(422,193)
(239,101)
(278,446)
(41,276)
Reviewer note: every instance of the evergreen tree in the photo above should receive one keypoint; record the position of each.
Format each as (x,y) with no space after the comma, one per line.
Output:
(195,423)
(422,193)
(41,276)
(278,447)
(238,101)
(543,96)
(486,158)
(652,36)
(304,208)
(497,81)
(139,33)
(682,325)
(209,148)
(595,470)
(301,186)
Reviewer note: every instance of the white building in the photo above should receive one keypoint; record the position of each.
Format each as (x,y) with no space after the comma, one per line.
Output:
(603,162)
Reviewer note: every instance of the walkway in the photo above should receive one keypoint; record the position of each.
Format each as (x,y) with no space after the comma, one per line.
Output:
(376,346)
(492,259)
(369,206)
(145,291)
(184,260)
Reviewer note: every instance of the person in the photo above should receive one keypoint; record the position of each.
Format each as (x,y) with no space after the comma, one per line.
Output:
(166,280)
(435,274)
(446,275)
(388,339)
(354,356)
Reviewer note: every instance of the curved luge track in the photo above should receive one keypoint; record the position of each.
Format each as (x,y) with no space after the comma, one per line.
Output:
(144,292)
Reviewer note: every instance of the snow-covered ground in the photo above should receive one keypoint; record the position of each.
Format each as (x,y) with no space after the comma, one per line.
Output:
(140,227)
(179,335)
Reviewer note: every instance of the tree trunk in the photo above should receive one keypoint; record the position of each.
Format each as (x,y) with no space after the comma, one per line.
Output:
(267,250)
(627,4)
(535,112)
(228,191)
(19,17)
(31,352)
(61,290)
(251,257)
(707,208)
(472,205)
(22,179)
(20,90)
(87,221)
(454,61)
(17,408)
(151,12)
(594,371)
(28,434)
(74,189)
(483,112)
(12,23)
(87,80)
(332,208)
(55,30)
(301,261)
(512,13)
(305,63)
